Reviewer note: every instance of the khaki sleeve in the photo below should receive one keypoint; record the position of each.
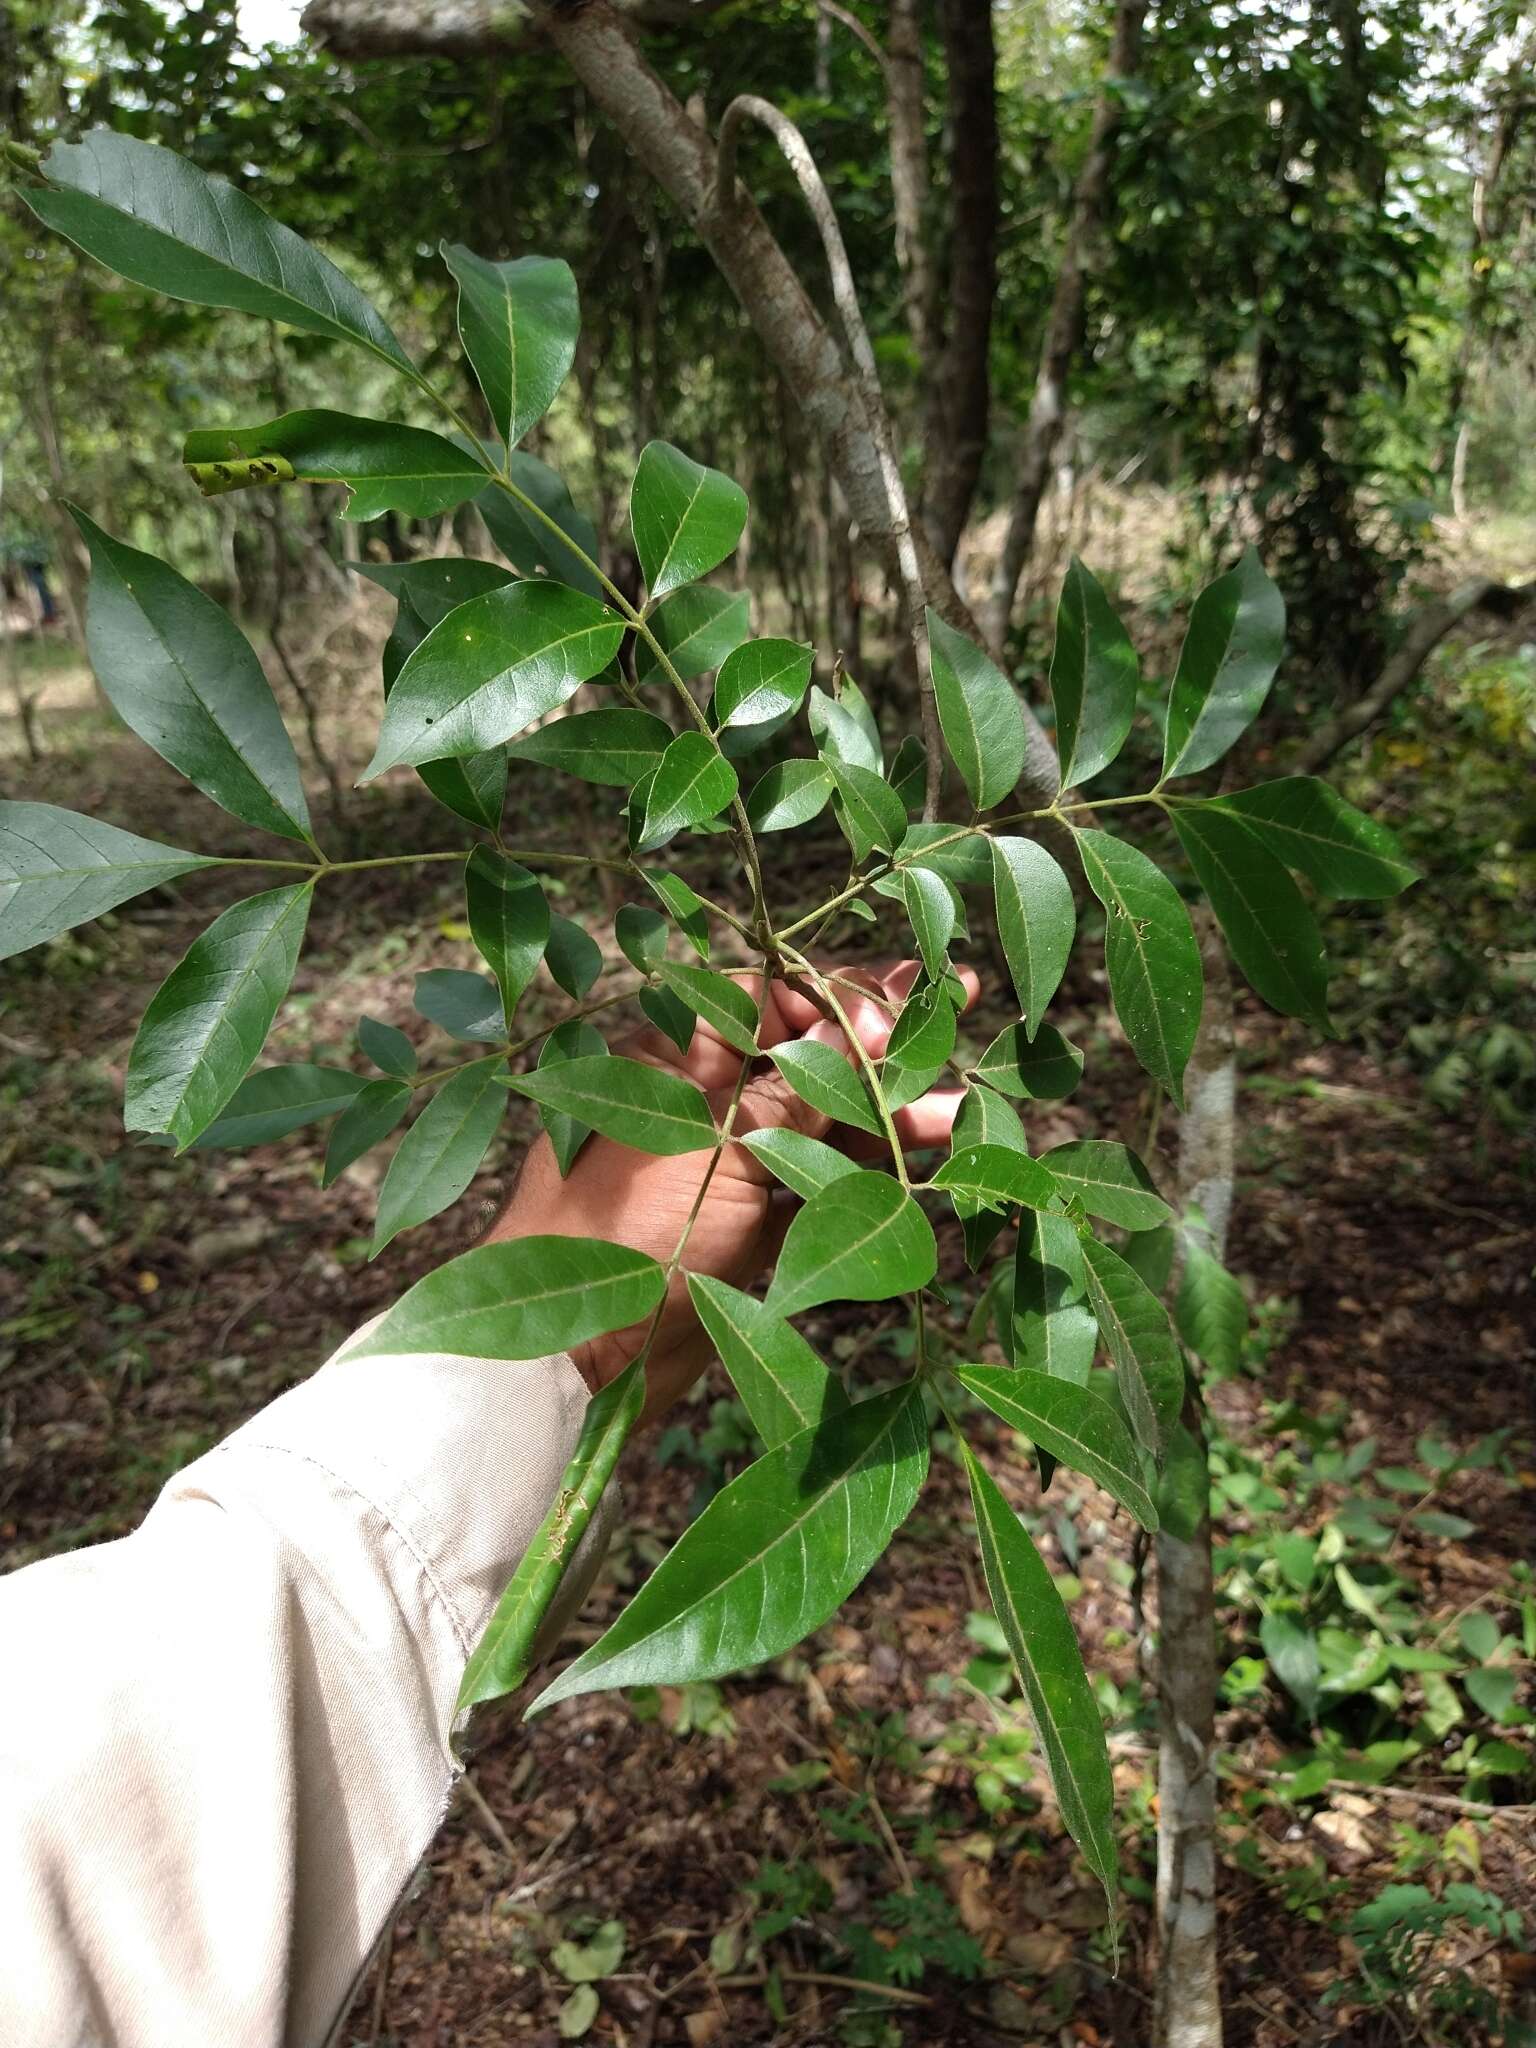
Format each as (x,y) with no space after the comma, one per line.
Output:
(225,1740)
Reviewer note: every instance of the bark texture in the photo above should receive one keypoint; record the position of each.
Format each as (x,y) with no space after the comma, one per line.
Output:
(1064,324)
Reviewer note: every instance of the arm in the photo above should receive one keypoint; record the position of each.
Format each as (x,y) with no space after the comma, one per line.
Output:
(225,1741)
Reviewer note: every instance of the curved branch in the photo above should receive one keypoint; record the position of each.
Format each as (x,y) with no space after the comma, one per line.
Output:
(845,296)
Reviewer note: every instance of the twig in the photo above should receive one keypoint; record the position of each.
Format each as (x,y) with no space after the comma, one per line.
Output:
(892,1991)
(482,1806)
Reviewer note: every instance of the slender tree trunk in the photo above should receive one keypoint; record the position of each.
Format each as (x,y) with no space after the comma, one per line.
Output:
(1064,325)
(1188,2005)
(904,83)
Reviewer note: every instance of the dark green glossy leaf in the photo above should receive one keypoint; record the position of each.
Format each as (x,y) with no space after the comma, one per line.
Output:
(1233,646)
(697,627)
(723,1004)
(1044,1068)
(1036,921)
(692,785)
(762,680)
(210,1017)
(1094,678)
(441,1153)
(960,856)
(805,1165)
(369,1117)
(476,786)
(505,1654)
(685,905)
(182,675)
(670,1014)
(1110,1181)
(686,518)
(1150,951)
(788,794)
(642,934)
(1212,1310)
(1050,1666)
(575,1039)
(276,1100)
(386,467)
(982,718)
(434,587)
(155,218)
(1052,1328)
(931,909)
(1076,1427)
(1311,828)
(508,920)
(909,772)
(492,667)
(998,1175)
(1273,935)
(1151,1253)
(821,1076)
(782,1383)
(772,1556)
(863,1238)
(841,734)
(983,1119)
(529,1297)
(1136,1330)
(1183,1486)
(924,1034)
(573,957)
(467,1006)
(59,869)
(518,322)
(638,1105)
(614,746)
(387,1046)
(560,545)
(871,812)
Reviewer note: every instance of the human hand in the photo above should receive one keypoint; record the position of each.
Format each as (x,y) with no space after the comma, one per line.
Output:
(634,1198)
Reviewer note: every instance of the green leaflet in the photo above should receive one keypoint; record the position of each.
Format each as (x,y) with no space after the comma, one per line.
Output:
(553,545)
(863,1238)
(369,1117)
(504,1655)
(1050,1666)
(1053,1330)
(155,218)
(697,627)
(873,815)
(1094,678)
(805,1165)
(529,1297)
(840,733)
(490,668)
(984,1119)
(723,1004)
(931,909)
(692,784)
(1150,951)
(425,592)
(821,1076)
(772,1556)
(1310,827)
(184,677)
(1273,935)
(1036,921)
(642,935)
(790,793)
(1231,650)
(467,1006)
(508,920)
(923,1036)
(210,1017)
(637,1105)
(982,718)
(1110,1181)
(670,1014)
(686,518)
(1076,1427)
(1046,1067)
(59,869)
(999,1175)
(441,1153)
(387,1046)
(576,1039)
(782,1383)
(518,322)
(614,746)
(432,589)
(1292,1651)
(276,1100)
(1211,1311)
(1135,1328)
(685,906)
(572,955)
(763,679)
(385,467)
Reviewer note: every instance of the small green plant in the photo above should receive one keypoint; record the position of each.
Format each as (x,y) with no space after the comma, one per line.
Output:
(1413,1947)
(479,674)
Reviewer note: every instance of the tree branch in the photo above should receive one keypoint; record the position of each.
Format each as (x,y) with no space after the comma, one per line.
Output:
(1426,628)
(462,28)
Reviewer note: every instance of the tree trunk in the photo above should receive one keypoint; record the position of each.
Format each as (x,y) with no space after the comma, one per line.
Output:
(1064,325)
(1188,2005)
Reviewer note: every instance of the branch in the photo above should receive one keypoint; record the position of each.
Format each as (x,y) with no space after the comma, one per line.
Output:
(462,28)
(1426,628)
(845,296)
